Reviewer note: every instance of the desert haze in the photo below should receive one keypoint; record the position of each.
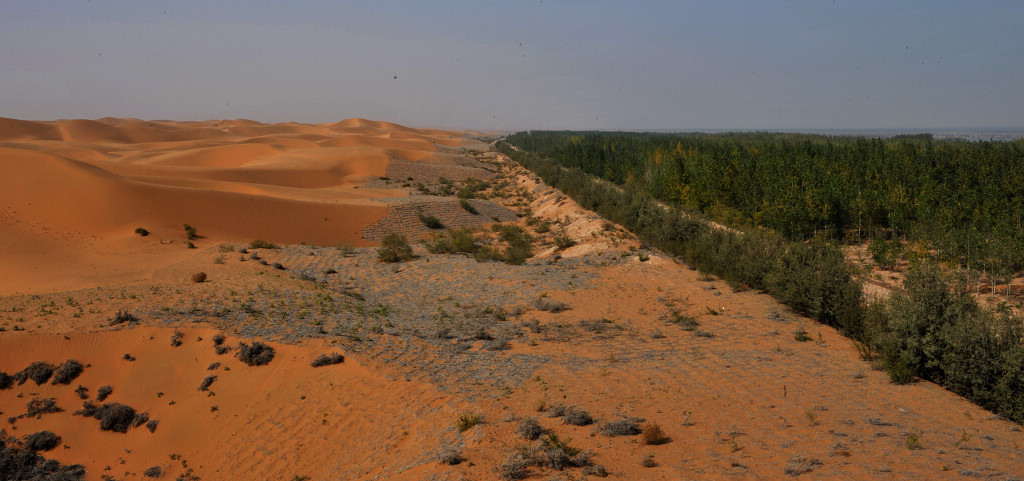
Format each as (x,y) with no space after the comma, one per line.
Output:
(525,337)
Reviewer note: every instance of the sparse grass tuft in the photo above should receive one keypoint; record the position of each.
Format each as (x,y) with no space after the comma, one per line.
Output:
(801,464)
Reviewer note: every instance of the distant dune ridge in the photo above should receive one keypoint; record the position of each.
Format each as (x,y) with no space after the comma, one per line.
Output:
(73,191)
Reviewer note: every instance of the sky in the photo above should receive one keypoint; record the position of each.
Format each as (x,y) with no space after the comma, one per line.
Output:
(514,65)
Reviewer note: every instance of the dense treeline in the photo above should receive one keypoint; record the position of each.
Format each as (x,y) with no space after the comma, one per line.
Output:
(935,330)
(962,199)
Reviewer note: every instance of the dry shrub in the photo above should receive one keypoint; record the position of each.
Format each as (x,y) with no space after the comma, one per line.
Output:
(39,406)
(41,441)
(103,392)
(6,381)
(153,472)
(207,382)
(38,371)
(199,277)
(530,429)
(801,464)
(653,435)
(622,427)
(113,416)
(257,354)
(67,372)
(328,359)
(122,317)
(450,455)
(514,467)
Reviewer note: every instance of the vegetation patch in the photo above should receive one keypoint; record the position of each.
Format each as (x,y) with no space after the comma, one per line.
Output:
(115,417)
(67,372)
(466,420)
(256,354)
(41,441)
(394,247)
(328,359)
(38,371)
(262,244)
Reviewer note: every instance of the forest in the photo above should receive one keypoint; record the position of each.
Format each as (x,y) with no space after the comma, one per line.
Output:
(789,202)
(962,201)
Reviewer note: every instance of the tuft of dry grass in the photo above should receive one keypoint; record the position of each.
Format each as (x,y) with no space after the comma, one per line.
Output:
(466,420)
(651,434)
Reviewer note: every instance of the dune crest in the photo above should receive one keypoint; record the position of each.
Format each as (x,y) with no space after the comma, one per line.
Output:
(74,191)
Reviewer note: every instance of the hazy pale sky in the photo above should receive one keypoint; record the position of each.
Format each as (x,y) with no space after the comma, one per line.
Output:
(551,64)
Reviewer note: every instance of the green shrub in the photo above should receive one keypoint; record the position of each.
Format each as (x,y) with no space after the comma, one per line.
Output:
(190,232)
(468,207)
(262,244)
(430,221)
(394,248)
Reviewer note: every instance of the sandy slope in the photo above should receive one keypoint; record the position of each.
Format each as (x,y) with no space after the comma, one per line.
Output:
(309,418)
(73,191)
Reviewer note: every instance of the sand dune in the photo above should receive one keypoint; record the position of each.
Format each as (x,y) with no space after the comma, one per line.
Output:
(79,188)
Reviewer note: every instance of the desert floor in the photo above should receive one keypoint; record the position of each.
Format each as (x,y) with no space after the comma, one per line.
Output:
(589,340)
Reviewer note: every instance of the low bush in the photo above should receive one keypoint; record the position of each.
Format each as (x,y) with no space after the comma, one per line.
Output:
(450,455)
(38,371)
(41,441)
(430,221)
(122,317)
(115,417)
(550,305)
(257,354)
(141,231)
(67,372)
(651,434)
(6,381)
(199,277)
(394,248)
(22,465)
(39,406)
(207,382)
(530,429)
(153,472)
(328,359)
(262,244)
(103,392)
(468,207)
(622,427)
